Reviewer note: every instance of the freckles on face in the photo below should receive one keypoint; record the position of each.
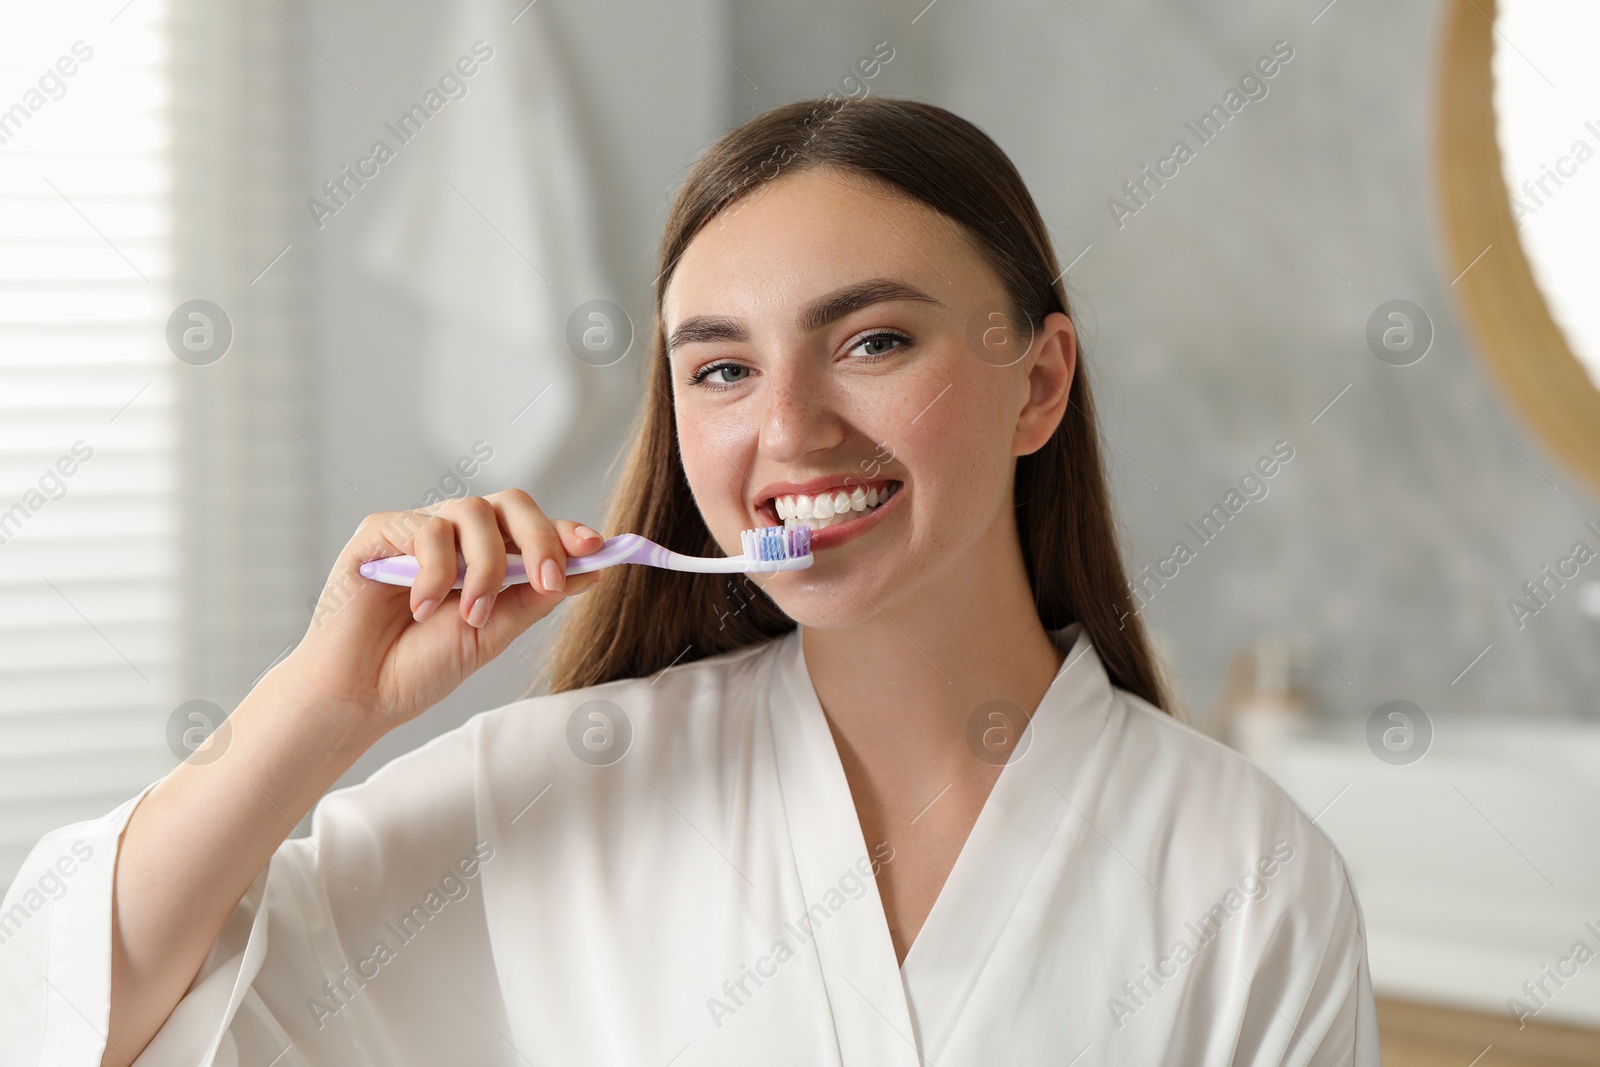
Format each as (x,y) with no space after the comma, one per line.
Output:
(716,447)
(883,394)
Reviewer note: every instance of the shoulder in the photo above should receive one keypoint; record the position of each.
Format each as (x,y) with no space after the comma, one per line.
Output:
(1251,905)
(1216,817)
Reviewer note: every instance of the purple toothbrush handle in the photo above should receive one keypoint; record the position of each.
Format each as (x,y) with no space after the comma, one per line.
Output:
(403,570)
(623,548)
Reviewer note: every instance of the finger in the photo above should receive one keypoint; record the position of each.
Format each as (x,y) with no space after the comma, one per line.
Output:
(579,540)
(522,605)
(434,545)
(483,545)
(368,542)
(543,553)
(582,583)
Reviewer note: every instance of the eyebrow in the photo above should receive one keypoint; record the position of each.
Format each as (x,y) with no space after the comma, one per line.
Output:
(814,316)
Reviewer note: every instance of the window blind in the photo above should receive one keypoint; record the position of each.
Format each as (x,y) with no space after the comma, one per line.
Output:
(159,548)
(88,642)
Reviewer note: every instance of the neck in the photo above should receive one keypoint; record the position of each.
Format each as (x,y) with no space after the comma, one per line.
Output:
(900,688)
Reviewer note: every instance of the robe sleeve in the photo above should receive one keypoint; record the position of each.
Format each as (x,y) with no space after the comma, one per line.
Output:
(364,942)
(1310,1001)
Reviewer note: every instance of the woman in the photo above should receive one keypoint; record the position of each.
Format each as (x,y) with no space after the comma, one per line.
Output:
(794,820)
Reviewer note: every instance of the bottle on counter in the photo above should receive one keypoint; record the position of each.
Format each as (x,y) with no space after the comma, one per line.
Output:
(1262,704)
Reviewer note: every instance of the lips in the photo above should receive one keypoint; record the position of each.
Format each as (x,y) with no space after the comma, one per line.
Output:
(799,503)
(823,502)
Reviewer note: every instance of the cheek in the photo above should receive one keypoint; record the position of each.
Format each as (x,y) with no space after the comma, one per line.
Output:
(958,457)
(953,461)
(961,438)
(715,448)
(727,431)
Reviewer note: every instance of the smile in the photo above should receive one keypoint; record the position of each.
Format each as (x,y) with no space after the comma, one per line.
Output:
(830,506)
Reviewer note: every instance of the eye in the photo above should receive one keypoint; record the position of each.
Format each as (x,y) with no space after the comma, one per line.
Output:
(876,343)
(738,371)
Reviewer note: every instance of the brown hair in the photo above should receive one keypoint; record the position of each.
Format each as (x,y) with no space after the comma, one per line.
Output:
(639,620)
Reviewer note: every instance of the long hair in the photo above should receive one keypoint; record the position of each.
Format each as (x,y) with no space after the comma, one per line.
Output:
(640,620)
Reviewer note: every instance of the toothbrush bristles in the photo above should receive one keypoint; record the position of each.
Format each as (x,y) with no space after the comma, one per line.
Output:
(772,543)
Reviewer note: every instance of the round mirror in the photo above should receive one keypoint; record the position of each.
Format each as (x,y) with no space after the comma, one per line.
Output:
(1518,172)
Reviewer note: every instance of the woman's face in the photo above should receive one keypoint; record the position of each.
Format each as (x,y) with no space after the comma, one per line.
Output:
(827,337)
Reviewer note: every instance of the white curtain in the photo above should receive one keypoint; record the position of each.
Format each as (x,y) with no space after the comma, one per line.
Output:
(490,229)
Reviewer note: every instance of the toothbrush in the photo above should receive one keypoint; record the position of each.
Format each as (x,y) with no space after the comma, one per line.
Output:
(766,550)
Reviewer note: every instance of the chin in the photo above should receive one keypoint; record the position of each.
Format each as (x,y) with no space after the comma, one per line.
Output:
(818,613)
(822,597)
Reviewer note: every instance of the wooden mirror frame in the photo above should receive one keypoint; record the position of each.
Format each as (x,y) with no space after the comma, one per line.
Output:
(1526,352)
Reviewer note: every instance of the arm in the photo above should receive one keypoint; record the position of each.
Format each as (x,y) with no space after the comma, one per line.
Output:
(374,657)
(199,838)
(1320,987)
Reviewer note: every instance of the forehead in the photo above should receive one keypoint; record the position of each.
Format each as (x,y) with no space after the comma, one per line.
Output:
(811,232)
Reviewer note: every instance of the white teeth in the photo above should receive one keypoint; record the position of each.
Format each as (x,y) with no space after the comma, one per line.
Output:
(827,508)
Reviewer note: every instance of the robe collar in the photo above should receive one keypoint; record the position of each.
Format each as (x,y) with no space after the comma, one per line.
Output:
(892,1015)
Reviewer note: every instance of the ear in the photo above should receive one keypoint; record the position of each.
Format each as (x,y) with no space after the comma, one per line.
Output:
(1050,367)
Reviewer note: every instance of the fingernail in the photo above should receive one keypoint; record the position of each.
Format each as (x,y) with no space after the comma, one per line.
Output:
(552,577)
(480,610)
(586,533)
(425,608)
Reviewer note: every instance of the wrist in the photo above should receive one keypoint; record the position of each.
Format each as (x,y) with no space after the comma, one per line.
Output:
(335,725)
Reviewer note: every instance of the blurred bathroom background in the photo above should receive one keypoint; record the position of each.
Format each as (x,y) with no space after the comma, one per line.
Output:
(242,328)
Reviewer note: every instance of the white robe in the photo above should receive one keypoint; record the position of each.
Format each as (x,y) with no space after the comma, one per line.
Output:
(1132,892)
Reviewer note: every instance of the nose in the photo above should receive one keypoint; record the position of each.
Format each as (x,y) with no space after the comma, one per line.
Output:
(799,417)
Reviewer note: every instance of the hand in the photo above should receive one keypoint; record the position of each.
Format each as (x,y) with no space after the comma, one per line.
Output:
(378,655)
